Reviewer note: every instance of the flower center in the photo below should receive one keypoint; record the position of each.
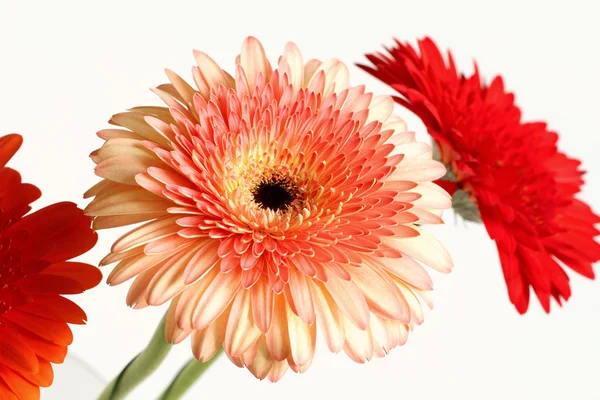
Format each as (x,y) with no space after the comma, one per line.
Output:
(274,193)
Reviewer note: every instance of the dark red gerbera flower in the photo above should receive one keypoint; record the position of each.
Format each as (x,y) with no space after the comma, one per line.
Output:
(507,172)
(34,273)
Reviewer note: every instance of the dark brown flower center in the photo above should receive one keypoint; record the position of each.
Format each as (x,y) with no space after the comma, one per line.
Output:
(274,193)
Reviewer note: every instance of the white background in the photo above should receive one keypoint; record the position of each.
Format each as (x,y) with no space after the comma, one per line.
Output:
(65,67)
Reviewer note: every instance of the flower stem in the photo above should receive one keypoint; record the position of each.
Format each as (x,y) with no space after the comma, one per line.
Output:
(186,377)
(140,367)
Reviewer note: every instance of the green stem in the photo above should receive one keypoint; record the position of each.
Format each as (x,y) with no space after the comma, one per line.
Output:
(186,377)
(140,367)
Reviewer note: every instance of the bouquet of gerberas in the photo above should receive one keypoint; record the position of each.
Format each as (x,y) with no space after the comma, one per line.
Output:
(275,202)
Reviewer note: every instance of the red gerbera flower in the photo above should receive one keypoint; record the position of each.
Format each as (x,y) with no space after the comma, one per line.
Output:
(524,188)
(34,274)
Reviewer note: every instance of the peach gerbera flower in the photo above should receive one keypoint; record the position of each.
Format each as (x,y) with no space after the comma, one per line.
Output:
(278,201)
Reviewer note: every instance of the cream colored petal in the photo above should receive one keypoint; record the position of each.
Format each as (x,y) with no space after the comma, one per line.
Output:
(174,104)
(211,73)
(263,301)
(408,270)
(262,361)
(424,248)
(174,334)
(159,112)
(161,127)
(302,338)
(124,147)
(168,281)
(317,83)
(107,134)
(395,123)
(133,266)
(135,122)
(216,298)
(427,216)
(417,316)
(133,201)
(114,257)
(380,109)
(114,221)
(123,169)
(136,296)
(190,298)
(242,332)
(350,300)
(206,257)
(416,150)
(241,82)
(102,187)
(309,70)
(301,296)
(425,295)
(402,137)
(418,170)
(150,184)
(398,333)
(167,244)
(207,341)
(432,196)
(293,57)
(357,99)
(183,88)
(156,229)
(254,61)
(171,91)
(382,297)
(329,318)
(278,370)
(359,343)
(383,341)
(336,76)
(278,337)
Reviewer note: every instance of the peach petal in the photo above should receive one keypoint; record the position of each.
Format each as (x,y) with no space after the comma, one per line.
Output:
(168,281)
(216,298)
(152,230)
(382,297)
(419,170)
(278,335)
(277,371)
(210,71)
(203,260)
(191,297)
(359,343)
(329,317)
(135,122)
(207,341)
(301,294)
(174,334)
(427,249)
(350,300)
(302,339)
(262,361)
(292,55)
(242,332)
(263,302)
(254,61)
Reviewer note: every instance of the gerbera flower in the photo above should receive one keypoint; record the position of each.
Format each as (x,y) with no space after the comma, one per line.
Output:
(34,273)
(278,201)
(511,171)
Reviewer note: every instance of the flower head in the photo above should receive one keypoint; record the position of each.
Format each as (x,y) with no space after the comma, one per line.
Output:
(278,200)
(34,273)
(523,187)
